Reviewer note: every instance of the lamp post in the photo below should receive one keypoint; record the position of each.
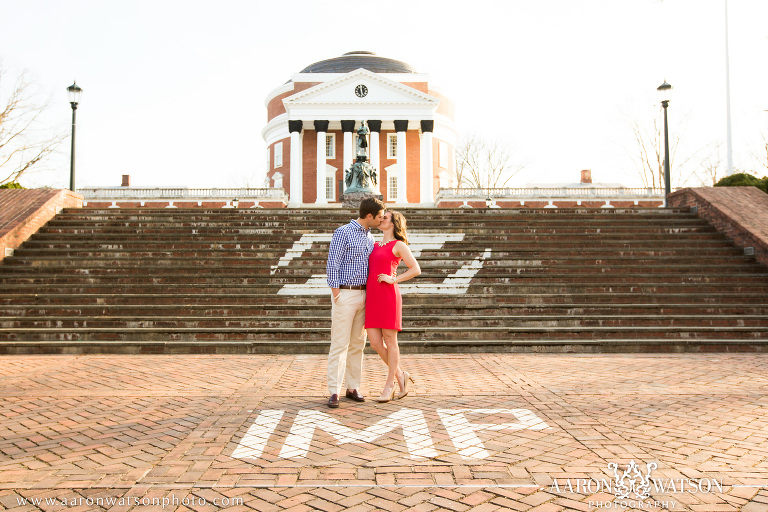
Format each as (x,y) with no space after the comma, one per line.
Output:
(74,92)
(664,91)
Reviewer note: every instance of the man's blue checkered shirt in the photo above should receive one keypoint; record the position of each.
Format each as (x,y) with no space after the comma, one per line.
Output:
(351,245)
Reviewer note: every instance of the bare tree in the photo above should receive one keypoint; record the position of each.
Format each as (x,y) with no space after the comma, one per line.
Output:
(22,145)
(484,164)
(254,180)
(649,154)
(711,167)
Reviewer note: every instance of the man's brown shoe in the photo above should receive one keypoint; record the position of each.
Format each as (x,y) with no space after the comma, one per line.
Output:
(354,395)
(333,402)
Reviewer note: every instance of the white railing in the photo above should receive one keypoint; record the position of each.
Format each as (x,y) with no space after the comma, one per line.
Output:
(550,193)
(179,194)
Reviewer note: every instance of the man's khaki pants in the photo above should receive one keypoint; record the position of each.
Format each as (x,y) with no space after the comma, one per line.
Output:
(345,359)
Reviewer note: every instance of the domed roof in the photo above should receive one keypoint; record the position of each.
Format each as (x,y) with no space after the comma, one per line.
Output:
(360,59)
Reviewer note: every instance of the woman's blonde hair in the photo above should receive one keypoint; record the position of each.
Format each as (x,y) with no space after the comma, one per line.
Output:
(398,221)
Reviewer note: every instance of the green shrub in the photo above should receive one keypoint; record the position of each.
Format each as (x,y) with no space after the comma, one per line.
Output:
(743,179)
(12,184)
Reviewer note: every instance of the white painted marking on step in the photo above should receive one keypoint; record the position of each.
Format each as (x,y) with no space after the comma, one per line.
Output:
(418,242)
(303,244)
(454,284)
(316,285)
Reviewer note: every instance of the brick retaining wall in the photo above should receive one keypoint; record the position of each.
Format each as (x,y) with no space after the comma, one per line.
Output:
(741,213)
(23,212)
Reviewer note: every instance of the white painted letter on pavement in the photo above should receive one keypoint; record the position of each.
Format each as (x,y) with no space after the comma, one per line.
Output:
(416,435)
(463,435)
(415,431)
(255,440)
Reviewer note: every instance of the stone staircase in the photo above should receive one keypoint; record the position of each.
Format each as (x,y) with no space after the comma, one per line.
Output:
(195,280)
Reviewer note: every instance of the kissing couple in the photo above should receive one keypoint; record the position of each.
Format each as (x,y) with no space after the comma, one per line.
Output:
(362,276)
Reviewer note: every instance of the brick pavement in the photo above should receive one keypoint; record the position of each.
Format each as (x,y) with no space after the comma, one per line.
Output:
(480,432)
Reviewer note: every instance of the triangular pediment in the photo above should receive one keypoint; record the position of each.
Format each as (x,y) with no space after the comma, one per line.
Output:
(360,88)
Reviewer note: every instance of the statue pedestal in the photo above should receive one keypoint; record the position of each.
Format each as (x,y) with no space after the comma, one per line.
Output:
(352,199)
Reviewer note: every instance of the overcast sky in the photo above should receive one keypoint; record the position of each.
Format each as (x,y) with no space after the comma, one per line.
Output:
(174,91)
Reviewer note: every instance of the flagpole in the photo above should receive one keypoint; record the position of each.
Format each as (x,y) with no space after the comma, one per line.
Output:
(729,143)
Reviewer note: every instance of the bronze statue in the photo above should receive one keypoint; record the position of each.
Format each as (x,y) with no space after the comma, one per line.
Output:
(362,143)
(361,177)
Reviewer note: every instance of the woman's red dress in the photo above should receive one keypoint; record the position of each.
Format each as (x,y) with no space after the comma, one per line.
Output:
(383,304)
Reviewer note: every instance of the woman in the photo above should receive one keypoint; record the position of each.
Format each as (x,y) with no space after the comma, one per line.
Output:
(383,304)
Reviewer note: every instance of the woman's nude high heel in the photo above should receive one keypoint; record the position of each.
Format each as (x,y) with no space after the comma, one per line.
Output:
(406,378)
(383,398)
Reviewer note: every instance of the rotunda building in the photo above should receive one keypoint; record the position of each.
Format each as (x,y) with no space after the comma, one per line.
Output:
(312,122)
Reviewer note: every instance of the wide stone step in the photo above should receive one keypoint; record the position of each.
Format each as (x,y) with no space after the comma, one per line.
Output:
(138,232)
(415,300)
(502,234)
(594,256)
(477,286)
(431,268)
(579,263)
(222,284)
(414,322)
(430,275)
(33,249)
(474,241)
(289,227)
(423,334)
(329,214)
(437,309)
(687,253)
(462,346)
(416,221)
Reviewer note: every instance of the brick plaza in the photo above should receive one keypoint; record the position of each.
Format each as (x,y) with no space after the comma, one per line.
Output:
(163,431)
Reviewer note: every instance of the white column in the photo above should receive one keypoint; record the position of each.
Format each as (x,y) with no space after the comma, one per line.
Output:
(401,169)
(321,199)
(295,198)
(427,168)
(375,160)
(349,156)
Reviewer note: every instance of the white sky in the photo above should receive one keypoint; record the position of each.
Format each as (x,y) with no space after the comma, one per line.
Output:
(174,91)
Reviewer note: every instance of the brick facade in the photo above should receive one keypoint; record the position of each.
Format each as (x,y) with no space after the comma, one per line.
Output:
(741,213)
(275,105)
(285,168)
(23,212)
(308,167)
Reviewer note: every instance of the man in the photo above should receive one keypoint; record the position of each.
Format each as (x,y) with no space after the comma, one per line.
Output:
(347,270)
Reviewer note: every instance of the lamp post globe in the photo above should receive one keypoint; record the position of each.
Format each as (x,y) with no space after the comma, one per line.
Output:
(664,92)
(74,92)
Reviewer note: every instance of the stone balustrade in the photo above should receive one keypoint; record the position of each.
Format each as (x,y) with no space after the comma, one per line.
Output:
(509,197)
(182,197)
(550,197)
